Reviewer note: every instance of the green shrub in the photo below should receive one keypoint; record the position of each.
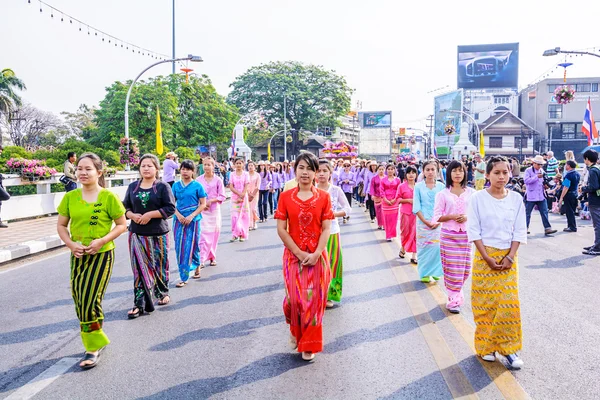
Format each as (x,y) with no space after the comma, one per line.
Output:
(186,153)
(21,190)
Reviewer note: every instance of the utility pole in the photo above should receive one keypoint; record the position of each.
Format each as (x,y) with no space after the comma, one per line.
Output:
(173,72)
(284,128)
(430,141)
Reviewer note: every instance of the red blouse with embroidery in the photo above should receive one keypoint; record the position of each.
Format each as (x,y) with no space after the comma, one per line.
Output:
(304,217)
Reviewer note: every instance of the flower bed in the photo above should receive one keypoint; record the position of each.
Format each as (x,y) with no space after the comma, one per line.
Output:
(31,170)
(131,155)
(338,150)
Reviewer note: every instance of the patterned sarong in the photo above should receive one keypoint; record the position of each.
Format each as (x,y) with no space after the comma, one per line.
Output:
(334,249)
(187,247)
(305,299)
(89,278)
(428,251)
(455,251)
(150,265)
(495,303)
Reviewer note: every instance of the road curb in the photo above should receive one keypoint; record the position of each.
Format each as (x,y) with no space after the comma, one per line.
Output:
(30,247)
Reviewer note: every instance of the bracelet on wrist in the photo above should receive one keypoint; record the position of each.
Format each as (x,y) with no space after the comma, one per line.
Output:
(510,259)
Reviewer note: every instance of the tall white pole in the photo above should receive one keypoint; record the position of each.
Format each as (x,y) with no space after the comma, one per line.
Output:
(284,128)
(173,54)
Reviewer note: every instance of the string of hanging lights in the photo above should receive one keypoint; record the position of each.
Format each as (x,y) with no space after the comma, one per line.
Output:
(107,38)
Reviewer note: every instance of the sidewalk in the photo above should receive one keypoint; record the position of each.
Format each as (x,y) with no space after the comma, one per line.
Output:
(24,238)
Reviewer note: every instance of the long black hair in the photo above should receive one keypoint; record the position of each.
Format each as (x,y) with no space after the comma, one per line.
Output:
(310,159)
(451,167)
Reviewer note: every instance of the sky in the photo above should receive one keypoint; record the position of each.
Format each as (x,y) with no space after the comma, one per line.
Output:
(396,55)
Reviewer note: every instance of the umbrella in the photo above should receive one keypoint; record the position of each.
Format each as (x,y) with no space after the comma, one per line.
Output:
(596,147)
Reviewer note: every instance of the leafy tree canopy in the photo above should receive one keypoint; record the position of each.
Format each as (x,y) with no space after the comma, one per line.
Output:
(315,96)
(191,113)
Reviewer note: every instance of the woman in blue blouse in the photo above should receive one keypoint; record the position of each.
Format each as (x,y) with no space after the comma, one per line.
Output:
(428,233)
(191,201)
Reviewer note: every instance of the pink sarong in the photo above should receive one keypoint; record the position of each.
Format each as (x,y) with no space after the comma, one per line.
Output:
(390,219)
(240,217)
(408,232)
(209,234)
(378,213)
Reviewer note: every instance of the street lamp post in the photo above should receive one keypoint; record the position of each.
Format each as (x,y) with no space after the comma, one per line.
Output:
(190,57)
(284,127)
(556,51)
(426,138)
(275,134)
(472,119)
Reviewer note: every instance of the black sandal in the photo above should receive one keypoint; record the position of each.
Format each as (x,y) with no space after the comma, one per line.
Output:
(134,315)
(401,254)
(414,261)
(89,357)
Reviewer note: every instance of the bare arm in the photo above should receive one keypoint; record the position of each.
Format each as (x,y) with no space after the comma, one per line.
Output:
(287,240)
(63,232)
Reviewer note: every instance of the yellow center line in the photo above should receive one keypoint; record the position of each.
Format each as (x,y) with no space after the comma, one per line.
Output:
(457,382)
(504,380)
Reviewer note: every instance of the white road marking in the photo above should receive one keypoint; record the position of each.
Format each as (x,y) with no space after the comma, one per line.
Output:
(9,269)
(43,380)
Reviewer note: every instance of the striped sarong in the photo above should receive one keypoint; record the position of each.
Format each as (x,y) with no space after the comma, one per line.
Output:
(187,247)
(455,252)
(334,249)
(150,266)
(305,299)
(89,278)
(408,232)
(495,303)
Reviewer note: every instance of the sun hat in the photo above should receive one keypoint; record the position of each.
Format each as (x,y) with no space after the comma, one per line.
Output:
(538,160)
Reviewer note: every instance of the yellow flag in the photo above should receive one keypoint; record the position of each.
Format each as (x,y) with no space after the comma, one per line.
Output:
(269,151)
(481,144)
(159,141)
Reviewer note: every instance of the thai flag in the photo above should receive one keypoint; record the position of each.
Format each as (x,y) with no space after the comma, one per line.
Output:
(589,125)
(433,146)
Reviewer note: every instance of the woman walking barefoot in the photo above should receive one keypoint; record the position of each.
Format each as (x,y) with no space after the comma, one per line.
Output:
(408,220)
(388,187)
(304,220)
(191,201)
(428,233)
(240,207)
(211,216)
(496,225)
(91,211)
(148,203)
(253,191)
(451,205)
(375,194)
(340,208)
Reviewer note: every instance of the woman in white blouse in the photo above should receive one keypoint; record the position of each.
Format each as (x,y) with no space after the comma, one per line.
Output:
(341,208)
(496,225)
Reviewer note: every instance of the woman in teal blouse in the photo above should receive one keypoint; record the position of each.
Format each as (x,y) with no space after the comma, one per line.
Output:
(91,211)
(428,233)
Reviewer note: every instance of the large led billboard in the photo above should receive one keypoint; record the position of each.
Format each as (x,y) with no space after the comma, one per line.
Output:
(378,119)
(485,66)
(376,132)
(445,109)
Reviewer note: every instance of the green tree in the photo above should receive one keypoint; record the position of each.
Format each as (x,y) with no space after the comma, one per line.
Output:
(9,83)
(315,96)
(191,113)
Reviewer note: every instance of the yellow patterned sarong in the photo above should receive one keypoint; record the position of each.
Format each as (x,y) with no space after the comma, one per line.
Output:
(496,309)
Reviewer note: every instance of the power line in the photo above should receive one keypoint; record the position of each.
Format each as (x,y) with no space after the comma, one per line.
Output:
(92,31)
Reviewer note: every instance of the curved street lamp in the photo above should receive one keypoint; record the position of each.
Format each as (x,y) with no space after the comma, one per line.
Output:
(556,51)
(190,57)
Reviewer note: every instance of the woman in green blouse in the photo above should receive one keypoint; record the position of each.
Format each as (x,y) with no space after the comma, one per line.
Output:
(91,211)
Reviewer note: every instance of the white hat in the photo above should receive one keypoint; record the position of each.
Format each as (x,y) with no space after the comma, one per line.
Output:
(539,160)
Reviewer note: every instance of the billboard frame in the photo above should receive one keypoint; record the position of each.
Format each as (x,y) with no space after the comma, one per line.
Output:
(361,116)
(447,101)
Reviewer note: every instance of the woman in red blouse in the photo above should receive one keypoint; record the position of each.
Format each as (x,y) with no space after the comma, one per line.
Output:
(303,221)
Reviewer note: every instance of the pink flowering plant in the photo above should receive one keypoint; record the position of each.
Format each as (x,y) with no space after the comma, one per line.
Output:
(131,156)
(564,94)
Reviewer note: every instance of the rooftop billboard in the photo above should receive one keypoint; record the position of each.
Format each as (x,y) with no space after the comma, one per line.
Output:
(376,119)
(445,107)
(487,66)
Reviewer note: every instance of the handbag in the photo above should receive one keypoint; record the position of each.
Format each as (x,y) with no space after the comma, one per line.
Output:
(4,195)
(64,180)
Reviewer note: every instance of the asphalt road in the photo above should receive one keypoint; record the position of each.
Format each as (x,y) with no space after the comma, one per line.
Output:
(224,336)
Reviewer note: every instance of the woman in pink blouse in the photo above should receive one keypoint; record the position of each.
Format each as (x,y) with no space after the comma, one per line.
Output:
(375,195)
(389,203)
(211,216)
(408,220)
(451,210)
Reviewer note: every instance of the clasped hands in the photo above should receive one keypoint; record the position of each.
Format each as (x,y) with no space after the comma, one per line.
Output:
(79,250)
(307,258)
(505,263)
